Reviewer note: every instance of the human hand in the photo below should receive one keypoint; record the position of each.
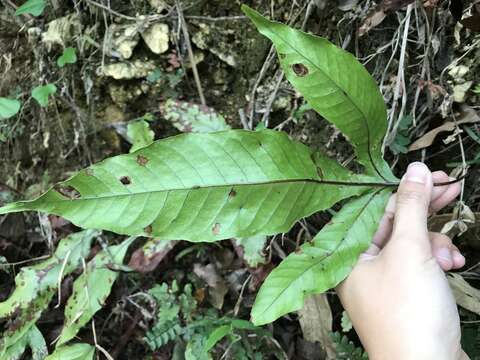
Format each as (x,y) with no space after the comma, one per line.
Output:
(397,295)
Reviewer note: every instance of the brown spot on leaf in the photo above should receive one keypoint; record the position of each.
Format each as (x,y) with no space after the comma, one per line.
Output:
(142,160)
(89,172)
(300,69)
(67,191)
(232,194)
(125,180)
(148,229)
(216,229)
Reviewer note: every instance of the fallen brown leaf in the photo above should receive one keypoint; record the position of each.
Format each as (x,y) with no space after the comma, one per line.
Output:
(468,115)
(217,286)
(376,17)
(316,322)
(148,257)
(466,295)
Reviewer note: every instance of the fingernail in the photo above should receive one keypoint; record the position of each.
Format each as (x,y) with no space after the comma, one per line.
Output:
(458,258)
(444,254)
(417,172)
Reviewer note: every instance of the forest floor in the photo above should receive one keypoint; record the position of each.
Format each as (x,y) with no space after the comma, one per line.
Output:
(425,58)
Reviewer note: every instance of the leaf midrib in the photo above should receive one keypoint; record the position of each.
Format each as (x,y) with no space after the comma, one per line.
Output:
(274,182)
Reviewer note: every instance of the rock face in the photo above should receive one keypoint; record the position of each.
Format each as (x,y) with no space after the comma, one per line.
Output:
(123,39)
(135,70)
(61,31)
(156,37)
(221,43)
(158,5)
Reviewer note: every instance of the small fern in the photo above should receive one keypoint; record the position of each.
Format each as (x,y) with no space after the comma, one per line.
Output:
(168,326)
(159,336)
(346,349)
(199,331)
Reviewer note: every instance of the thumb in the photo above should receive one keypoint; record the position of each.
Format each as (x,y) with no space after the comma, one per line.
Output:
(411,210)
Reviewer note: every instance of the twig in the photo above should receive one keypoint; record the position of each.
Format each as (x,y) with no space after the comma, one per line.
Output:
(43,257)
(400,82)
(116,13)
(266,65)
(462,152)
(10,188)
(425,63)
(268,62)
(190,53)
(60,276)
(236,308)
(214,19)
(100,348)
(148,18)
(243,120)
(266,114)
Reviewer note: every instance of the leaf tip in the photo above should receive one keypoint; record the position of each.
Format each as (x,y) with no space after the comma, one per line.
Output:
(252,14)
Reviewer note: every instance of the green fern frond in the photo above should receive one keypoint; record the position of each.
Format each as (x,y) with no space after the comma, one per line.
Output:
(346,349)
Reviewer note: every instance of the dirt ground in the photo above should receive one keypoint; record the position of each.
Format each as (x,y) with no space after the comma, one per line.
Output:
(425,58)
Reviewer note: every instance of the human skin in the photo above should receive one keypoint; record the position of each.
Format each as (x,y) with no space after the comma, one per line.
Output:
(397,295)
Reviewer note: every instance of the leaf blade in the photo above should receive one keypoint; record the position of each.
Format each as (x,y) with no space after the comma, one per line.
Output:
(33,7)
(335,84)
(91,289)
(140,134)
(324,264)
(42,93)
(68,56)
(35,286)
(9,107)
(78,351)
(212,186)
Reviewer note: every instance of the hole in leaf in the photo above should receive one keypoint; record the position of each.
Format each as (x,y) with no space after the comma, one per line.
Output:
(67,191)
(300,69)
(125,180)
(148,230)
(89,172)
(216,229)
(142,160)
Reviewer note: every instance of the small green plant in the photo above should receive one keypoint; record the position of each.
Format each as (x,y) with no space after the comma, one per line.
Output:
(196,331)
(346,349)
(69,56)
(42,93)
(9,107)
(32,7)
(140,134)
(402,138)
